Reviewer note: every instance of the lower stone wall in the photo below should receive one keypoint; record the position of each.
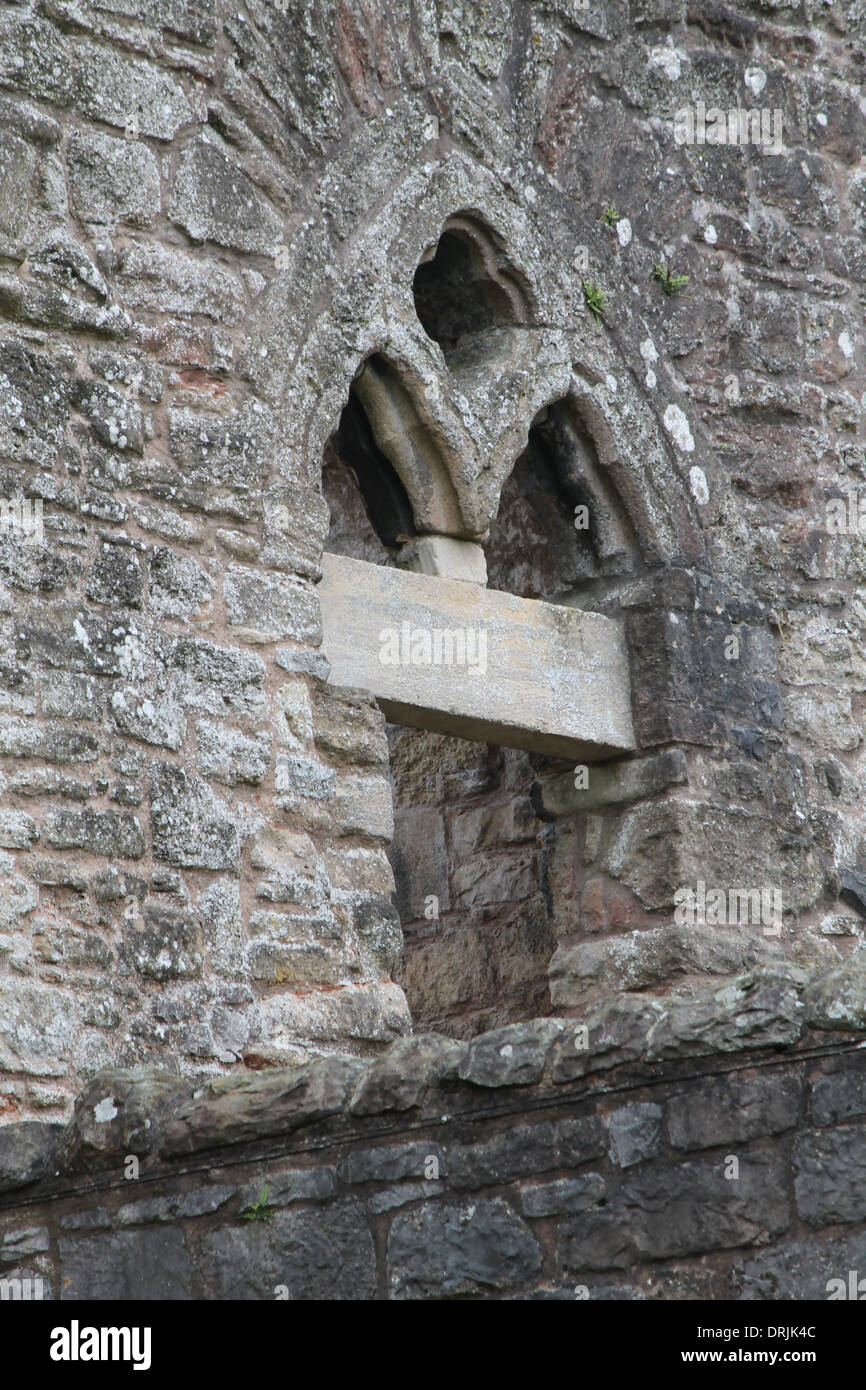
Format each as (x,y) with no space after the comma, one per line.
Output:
(637,1156)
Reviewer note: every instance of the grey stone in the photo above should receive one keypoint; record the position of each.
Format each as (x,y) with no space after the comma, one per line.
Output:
(303,663)
(511,1056)
(688,1209)
(611,783)
(51,741)
(241,1107)
(270,607)
(402,1076)
(731,1110)
(163,280)
(579,1140)
(615,1032)
(581,974)
(130,93)
(93,1219)
(392,1164)
(298,777)
(176,1207)
(838,1097)
(392,1197)
(324,1254)
(213,200)
(660,847)
(218,680)
(296,1185)
(802,1270)
(112,180)
(517,1152)
(130,1265)
(120,1112)
(837,999)
(442,1250)
(165,943)
(21,1243)
(830,1175)
(229,756)
(112,834)
(761,1009)
(179,587)
(635,1133)
(192,828)
(563,1197)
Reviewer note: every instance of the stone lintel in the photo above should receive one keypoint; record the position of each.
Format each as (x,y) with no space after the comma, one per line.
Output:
(522,673)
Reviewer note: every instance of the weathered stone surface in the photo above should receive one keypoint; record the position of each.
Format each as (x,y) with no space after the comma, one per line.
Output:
(175,1208)
(112,834)
(296,1185)
(191,826)
(213,200)
(581,974)
(802,1270)
(120,1112)
(399,1080)
(635,1133)
(563,1197)
(128,1266)
(838,1097)
(113,180)
(391,1165)
(230,756)
(326,1254)
(613,782)
(361,601)
(663,846)
(761,1009)
(270,607)
(443,1250)
(128,92)
(515,1153)
(165,943)
(237,1108)
(837,1000)
(733,1110)
(830,1175)
(27,1152)
(693,1208)
(511,1056)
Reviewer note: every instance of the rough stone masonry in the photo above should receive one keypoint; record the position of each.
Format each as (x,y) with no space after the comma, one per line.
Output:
(442,287)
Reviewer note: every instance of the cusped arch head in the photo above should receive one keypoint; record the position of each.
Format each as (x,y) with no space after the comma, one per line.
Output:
(453,429)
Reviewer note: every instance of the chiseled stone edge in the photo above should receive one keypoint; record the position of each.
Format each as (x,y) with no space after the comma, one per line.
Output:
(153,1112)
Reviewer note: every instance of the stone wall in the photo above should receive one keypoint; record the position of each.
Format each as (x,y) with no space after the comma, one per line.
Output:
(711,1149)
(211,219)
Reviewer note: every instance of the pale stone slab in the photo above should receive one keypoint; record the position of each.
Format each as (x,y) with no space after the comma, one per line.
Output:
(522,673)
(447,557)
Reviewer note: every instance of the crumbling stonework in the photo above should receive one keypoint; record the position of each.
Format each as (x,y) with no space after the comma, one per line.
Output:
(405,283)
(651,1158)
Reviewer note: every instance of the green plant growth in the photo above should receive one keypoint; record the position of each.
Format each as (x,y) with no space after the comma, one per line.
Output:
(596,299)
(259,1211)
(670,283)
(610,215)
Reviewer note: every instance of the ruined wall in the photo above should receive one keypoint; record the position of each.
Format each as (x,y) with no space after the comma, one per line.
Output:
(210,220)
(645,1160)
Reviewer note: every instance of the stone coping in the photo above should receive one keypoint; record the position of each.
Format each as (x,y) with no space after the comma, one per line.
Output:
(161,1117)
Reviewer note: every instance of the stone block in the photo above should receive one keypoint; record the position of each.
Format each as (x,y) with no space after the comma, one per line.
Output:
(532,692)
(441,1251)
